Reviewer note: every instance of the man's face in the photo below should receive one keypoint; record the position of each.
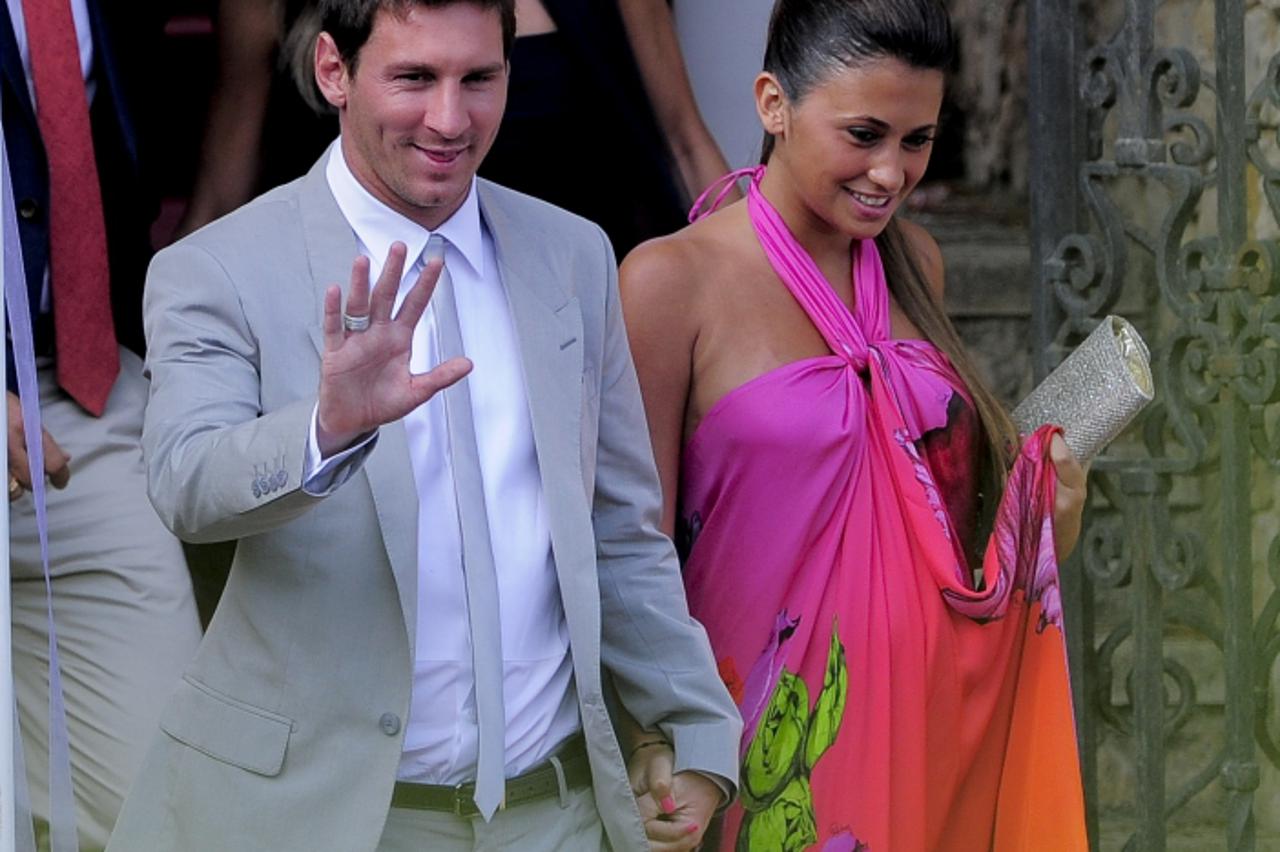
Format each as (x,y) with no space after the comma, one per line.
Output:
(422,105)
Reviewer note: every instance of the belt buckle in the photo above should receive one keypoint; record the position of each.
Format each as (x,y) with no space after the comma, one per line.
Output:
(464,801)
(464,804)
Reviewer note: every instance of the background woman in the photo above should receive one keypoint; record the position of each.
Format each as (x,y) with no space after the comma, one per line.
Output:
(826,449)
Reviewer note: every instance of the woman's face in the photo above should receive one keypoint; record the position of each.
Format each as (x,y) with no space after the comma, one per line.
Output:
(856,144)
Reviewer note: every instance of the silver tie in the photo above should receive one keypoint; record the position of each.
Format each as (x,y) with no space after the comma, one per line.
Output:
(477,554)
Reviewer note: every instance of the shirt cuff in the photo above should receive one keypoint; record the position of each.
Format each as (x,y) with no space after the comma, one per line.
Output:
(321,476)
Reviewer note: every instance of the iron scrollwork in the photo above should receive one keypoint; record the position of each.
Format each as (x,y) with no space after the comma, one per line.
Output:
(1166,550)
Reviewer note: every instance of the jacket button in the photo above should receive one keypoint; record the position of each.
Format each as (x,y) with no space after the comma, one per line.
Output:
(390,724)
(28,208)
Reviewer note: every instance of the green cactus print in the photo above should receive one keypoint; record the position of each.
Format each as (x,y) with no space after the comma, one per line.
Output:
(788,742)
(829,711)
(787,825)
(771,759)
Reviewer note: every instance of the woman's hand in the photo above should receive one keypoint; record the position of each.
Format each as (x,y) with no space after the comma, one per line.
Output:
(676,809)
(1068,507)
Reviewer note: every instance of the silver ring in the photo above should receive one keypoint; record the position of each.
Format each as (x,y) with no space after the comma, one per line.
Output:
(355,323)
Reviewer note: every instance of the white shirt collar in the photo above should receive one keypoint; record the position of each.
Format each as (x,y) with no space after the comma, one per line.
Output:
(377,226)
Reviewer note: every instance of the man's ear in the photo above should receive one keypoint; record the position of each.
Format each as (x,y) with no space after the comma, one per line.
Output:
(331,72)
(771,103)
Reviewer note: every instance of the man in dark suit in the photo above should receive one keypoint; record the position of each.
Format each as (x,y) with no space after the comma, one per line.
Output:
(122,603)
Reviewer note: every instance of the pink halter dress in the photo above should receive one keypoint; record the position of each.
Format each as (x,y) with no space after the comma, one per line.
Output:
(825,509)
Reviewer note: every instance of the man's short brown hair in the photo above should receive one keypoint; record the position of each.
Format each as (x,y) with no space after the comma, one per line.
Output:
(349,22)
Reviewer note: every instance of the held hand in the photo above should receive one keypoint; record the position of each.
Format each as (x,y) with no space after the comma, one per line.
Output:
(676,809)
(56,462)
(364,376)
(1068,508)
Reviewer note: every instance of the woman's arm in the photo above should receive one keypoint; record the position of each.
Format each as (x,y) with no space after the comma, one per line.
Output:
(678,788)
(652,36)
(248,34)
(658,306)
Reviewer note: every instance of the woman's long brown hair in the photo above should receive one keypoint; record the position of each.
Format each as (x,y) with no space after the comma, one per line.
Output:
(910,289)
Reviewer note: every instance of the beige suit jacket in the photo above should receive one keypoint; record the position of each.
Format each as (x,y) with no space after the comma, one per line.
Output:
(285,732)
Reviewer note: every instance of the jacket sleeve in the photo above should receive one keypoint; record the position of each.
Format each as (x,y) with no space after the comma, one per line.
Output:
(657,654)
(217,466)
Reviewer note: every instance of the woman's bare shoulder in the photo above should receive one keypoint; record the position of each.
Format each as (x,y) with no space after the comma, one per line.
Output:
(927,255)
(678,267)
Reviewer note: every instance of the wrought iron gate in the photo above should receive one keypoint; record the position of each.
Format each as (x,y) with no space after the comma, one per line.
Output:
(1155,191)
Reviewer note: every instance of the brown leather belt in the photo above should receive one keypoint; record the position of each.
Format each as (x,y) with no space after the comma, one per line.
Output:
(541,782)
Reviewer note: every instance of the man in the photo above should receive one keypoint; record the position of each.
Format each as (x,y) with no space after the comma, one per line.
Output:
(125,619)
(431,587)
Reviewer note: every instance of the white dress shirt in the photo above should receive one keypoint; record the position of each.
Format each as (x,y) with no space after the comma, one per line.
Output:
(541,708)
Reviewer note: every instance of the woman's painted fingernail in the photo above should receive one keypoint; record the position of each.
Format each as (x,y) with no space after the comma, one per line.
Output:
(668,804)
(693,829)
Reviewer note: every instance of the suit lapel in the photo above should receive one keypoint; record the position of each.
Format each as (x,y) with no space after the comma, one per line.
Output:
(331,248)
(548,324)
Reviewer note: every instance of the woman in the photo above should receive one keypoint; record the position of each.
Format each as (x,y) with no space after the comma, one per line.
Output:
(826,450)
(622,59)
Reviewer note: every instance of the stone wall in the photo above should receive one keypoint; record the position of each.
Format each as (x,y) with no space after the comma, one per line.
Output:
(989,90)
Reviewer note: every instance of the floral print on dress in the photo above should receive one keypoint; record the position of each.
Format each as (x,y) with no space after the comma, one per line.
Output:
(764,675)
(925,479)
(728,671)
(845,842)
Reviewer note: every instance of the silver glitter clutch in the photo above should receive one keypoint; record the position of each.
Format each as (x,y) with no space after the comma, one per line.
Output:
(1095,392)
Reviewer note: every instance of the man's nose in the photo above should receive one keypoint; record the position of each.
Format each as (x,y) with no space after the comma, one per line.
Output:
(446,113)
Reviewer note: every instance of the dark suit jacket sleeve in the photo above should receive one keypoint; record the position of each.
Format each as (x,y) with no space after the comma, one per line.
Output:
(657,654)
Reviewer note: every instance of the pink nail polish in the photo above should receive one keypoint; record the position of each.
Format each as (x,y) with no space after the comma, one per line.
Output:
(668,804)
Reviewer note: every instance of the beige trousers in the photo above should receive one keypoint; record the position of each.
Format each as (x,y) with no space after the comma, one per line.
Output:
(122,603)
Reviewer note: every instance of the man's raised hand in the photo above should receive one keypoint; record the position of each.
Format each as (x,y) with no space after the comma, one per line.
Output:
(365,379)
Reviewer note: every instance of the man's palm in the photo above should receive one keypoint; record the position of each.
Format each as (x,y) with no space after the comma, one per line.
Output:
(365,379)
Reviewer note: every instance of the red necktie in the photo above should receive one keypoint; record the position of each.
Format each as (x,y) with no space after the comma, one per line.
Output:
(84,335)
